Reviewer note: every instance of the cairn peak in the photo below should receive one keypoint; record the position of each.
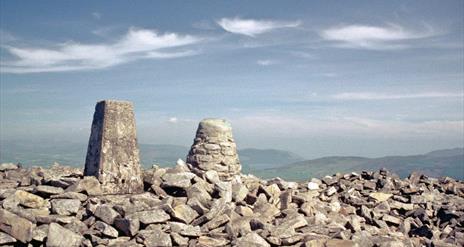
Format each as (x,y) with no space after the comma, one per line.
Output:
(214,148)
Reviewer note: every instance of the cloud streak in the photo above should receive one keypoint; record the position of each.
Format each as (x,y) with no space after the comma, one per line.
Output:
(134,45)
(252,28)
(293,126)
(266,62)
(386,96)
(391,36)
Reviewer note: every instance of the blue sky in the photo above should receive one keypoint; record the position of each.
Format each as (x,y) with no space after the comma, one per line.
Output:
(316,78)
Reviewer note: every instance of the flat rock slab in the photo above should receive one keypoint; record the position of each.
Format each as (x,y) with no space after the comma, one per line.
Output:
(59,236)
(18,227)
(112,154)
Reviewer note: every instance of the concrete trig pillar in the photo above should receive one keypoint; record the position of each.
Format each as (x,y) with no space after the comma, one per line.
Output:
(112,154)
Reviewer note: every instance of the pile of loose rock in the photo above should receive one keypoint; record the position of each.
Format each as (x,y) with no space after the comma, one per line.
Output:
(207,202)
(58,206)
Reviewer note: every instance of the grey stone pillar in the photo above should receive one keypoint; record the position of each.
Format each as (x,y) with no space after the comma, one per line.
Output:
(112,154)
(214,149)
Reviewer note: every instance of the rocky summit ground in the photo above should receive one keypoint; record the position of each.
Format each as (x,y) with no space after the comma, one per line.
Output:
(58,206)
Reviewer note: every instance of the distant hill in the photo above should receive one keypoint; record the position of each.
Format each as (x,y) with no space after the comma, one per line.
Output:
(161,154)
(254,159)
(73,154)
(265,163)
(449,162)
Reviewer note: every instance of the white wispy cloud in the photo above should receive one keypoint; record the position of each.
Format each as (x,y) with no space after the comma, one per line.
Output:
(293,126)
(266,62)
(134,45)
(393,96)
(251,27)
(97,15)
(173,120)
(390,36)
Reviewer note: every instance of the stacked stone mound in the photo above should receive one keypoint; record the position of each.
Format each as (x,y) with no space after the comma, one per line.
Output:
(113,155)
(61,207)
(214,149)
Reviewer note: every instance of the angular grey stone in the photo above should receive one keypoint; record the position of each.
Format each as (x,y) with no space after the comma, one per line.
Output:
(184,229)
(113,155)
(8,166)
(224,190)
(59,236)
(105,229)
(214,149)
(239,192)
(77,226)
(40,233)
(216,222)
(178,239)
(106,213)
(155,238)
(313,186)
(19,228)
(152,216)
(128,225)
(330,191)
(212,242)
(65,206)
(340,243)
(252,239)
(70,195)
(391,219)
(49,190)
(184,213)
(180,180)
(29,200)
(88,184)
(6,239)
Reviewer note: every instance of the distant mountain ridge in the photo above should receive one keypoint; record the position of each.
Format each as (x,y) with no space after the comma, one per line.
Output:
(446,162)
(265,163)
(73,154)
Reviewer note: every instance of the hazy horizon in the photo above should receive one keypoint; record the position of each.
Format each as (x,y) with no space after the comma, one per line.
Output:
(315,78)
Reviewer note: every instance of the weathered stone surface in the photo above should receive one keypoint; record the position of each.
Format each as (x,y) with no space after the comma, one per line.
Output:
(105,229)
(184,213)
(70,195)
(180,180)
(212,242)
(128,225)
(214,149)
(340,243)
(113,155)
(65,206)
(184,229)
(155,238)
(29,200)
(252,240)
(88,184)
(59,236)
(6,239)
(152,216)
(313,186)
(19,228)
(196,208)
(8,166)
(380,196)
(106,213)
(178,240)
(49,190)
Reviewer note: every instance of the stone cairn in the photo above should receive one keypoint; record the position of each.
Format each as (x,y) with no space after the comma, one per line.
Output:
(112,154)
(189,205)
(214,149)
